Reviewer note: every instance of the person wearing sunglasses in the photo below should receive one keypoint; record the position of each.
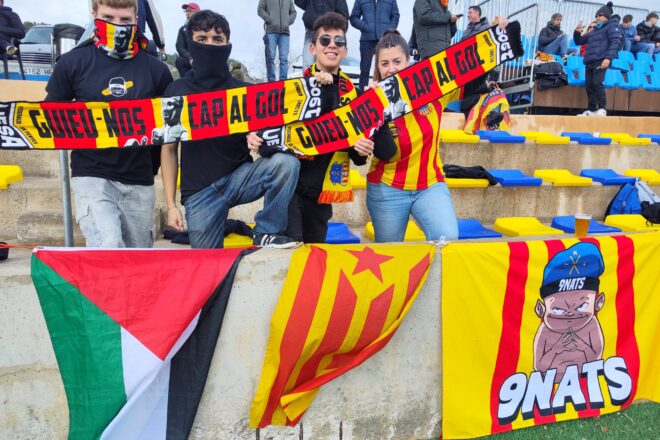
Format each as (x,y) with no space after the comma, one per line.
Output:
(313,10)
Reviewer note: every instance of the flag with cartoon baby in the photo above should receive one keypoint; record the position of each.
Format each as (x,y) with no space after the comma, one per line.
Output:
(545,331)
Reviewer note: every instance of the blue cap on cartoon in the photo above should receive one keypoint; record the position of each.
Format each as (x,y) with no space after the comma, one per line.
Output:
(576,268)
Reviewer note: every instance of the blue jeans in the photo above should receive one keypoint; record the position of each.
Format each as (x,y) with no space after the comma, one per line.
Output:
(280,43)
(113,214)
(273,178)
(649,48)
(390,209)
(270,69)
(307,57)
(627,44)
(366,55)
(558,47)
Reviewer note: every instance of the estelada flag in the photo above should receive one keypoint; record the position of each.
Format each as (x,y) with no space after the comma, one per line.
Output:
(339,306)
(545,331)
(134,333)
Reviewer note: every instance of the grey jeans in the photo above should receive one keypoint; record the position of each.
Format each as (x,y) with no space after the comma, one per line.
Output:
(113,214)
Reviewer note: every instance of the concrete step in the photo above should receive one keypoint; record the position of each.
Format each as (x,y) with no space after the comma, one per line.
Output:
(529,156)
(46,228)
(33,163)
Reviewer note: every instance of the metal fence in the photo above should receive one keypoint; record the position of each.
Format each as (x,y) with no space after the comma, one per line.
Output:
(574,11)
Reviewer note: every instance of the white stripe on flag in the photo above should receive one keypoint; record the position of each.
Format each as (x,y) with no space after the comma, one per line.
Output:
(146,379)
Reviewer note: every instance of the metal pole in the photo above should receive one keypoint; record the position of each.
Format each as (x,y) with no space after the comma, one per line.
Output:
(66,198)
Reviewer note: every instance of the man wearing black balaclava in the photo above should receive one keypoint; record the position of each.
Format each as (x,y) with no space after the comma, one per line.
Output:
(217,174)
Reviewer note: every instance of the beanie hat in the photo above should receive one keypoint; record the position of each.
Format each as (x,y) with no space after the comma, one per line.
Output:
(606,10)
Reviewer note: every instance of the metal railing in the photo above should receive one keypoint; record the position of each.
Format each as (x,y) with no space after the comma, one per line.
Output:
(574,11)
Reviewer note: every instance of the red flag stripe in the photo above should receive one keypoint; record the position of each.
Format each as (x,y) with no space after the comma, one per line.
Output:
(509,348)
(299,322)
(626,342)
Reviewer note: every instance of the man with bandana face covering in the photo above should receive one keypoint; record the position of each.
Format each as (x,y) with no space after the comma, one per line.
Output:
(112,189)
(217,174)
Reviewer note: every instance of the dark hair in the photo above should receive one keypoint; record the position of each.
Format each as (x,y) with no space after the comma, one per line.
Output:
(476,8)
(207,20)
(616,17)
(556,15)
(390,38)
(627,18)
(651,15)
(328,21)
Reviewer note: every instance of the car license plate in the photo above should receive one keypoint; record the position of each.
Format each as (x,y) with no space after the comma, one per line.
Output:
(37,70)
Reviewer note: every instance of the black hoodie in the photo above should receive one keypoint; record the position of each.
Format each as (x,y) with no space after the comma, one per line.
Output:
(549,34)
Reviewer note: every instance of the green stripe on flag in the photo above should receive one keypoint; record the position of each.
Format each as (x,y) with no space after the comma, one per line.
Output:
(87,345)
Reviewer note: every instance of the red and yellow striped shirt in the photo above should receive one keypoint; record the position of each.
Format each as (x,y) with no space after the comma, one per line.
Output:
(416,164)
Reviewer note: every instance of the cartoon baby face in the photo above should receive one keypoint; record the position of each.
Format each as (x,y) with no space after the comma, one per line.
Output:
(573,309)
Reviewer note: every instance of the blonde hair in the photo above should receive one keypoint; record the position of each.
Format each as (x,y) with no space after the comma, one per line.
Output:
(119,4)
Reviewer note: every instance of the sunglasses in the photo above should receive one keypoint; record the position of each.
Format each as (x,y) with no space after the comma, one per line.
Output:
(326,39)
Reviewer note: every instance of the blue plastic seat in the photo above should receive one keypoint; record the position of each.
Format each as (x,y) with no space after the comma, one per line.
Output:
(606,176)
(642,66)
(620,64)
(574,62)
(515,178)
(643,56)
(656,57)
(654,137)
(633,80)
(586,138)
(654,83)
(576,77)
(567,224)
(454,106)
(613,78)
(471,228)
(338,233)
(501,137)
(625,56)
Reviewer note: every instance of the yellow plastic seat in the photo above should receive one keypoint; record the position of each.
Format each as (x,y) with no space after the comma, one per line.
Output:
(630,223)
(235,240)
(562,178)
(626,139)
(523,227)
(458,136)
(413,232)
(466,183)
(650,176)
(545,138)
(358,181)
(10,174)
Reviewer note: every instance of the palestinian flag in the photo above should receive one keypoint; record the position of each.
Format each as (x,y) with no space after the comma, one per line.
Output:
(339,306)
(134,333)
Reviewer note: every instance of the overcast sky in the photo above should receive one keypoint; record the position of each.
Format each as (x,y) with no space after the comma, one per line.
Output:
(246,26)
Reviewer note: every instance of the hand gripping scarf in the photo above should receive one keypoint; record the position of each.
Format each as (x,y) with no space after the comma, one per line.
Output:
(286,113)
(336,182)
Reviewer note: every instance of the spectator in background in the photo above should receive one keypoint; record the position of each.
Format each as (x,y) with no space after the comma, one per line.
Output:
(113,189)
(10,27)
(434,26)
(372,18)
(552,39)
(313,10)
(183,62)
(603,43)
(277,15)
(148,16)
(476,23)
(646,30)
(629,32)
(583,47)
(412,46)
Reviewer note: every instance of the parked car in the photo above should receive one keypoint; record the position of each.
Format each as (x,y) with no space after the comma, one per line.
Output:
(36,54)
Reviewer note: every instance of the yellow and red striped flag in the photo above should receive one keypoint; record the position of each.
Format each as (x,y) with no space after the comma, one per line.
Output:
(339,305)
(545,331)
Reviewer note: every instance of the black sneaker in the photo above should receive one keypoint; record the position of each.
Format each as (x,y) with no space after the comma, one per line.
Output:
(274,241)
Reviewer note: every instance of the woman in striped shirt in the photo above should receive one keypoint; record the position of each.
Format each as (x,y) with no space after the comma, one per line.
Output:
(411,182)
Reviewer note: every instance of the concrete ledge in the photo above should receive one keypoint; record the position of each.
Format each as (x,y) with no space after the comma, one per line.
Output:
(375,401)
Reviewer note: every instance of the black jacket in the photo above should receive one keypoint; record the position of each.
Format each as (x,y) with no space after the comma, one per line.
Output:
(10,24)
(645,32)
(182,44)
(549,34)
(603,42)
(315,8)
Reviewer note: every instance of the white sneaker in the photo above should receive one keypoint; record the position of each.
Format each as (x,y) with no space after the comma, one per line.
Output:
(601,112)
(587,113)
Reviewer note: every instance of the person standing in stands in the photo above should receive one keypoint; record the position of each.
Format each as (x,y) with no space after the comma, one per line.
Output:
(603,43)
(434,26)
(646,30)
(183,62)
(112,189)
(313,10)
(277,15)
(552,40)
(148,16)
(629,33)
(476,23)
(372,18)
(10,27)
(411,182)
(217,174)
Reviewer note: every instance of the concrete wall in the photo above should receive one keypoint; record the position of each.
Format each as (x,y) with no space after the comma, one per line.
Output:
(395,394)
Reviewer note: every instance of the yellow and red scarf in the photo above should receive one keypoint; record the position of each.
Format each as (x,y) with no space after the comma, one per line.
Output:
(336,182)
(118,41)
(477,119)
